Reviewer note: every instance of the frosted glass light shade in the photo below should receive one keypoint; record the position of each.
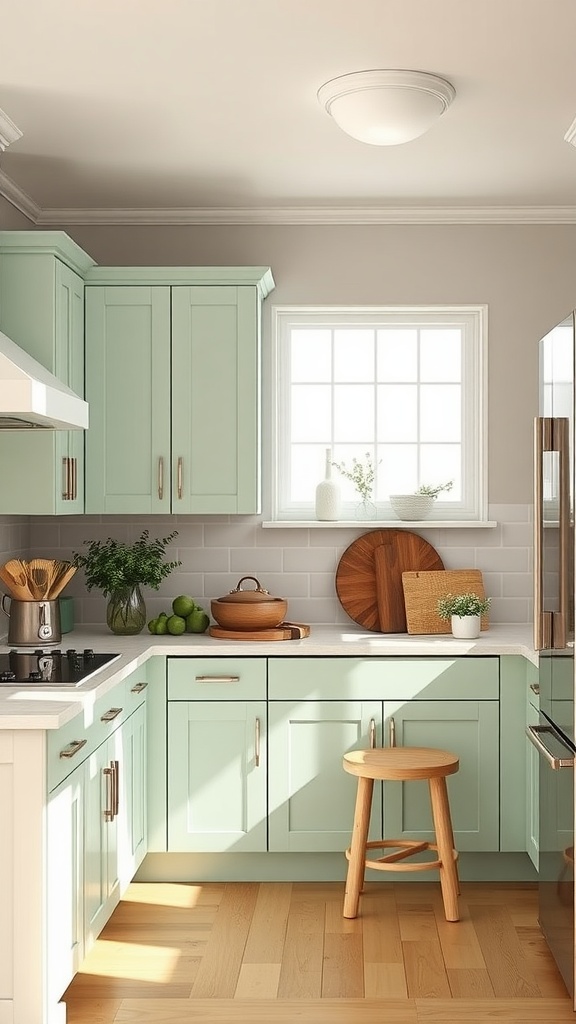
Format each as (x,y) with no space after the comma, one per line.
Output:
(386,108)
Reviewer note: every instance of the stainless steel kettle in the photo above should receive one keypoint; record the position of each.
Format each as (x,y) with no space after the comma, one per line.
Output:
(32,622)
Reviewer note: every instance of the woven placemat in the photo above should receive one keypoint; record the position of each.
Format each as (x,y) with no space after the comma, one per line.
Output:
(422,590)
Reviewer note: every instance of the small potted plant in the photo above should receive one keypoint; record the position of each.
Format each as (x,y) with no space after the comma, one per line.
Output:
(464,612)
(119,570)
(418,505)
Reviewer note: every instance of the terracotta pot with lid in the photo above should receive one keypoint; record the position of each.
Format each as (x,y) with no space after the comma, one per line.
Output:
(249,609)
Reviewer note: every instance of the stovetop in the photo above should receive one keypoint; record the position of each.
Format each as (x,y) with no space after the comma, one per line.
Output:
(51,667)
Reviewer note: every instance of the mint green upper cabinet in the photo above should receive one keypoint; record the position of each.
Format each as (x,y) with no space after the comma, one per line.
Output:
(128,390)
(42,310)
(173,381)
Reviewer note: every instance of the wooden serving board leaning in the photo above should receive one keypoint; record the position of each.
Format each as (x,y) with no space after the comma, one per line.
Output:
(422,590)
(369,576)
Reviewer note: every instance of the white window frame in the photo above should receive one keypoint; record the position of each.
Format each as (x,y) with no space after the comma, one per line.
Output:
(472,318)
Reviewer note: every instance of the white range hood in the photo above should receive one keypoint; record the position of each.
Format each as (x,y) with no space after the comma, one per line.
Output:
(31,396)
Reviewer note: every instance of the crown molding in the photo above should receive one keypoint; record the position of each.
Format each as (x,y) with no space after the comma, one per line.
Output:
(8,131)
(316,215)
(280,215)
(18,198)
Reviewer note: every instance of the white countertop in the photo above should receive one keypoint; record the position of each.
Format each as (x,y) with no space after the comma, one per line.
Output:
(51,707)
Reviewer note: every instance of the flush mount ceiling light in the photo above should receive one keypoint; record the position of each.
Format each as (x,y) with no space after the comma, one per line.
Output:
(386,108)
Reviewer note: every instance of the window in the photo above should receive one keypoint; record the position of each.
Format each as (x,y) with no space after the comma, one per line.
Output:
(405,385)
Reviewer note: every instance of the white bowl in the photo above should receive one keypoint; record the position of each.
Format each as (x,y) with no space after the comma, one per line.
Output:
(412,507)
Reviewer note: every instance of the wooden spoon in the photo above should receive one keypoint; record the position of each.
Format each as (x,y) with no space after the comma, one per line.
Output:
(15,580)
(60,582)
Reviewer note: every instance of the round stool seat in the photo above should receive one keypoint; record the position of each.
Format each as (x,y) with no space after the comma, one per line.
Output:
(401,763)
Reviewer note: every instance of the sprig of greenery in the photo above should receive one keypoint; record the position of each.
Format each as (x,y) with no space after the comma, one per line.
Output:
(111,564)
(361,475)
(462,604)
(433,492)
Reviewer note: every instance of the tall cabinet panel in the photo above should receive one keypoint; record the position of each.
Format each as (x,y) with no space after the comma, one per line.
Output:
(173,382)
(42,310)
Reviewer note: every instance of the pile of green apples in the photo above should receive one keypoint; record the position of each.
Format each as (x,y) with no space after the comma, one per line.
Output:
(187,617)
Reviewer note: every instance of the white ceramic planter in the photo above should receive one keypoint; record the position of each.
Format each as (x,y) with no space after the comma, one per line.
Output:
(412,506)
(465,627)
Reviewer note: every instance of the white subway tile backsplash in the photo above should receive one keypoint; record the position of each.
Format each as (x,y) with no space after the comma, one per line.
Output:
(299,564)
(255,560)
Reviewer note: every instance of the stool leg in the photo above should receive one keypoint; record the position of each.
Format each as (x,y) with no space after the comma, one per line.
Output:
(445,841)
(356,864)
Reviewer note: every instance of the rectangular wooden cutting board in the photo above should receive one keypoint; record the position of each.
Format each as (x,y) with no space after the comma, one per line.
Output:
(285,631)
(422,590)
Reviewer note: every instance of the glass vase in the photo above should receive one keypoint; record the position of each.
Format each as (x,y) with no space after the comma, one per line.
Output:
(126,611)
(366,510)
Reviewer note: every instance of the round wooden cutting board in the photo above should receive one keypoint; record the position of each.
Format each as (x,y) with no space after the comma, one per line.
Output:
(369,577)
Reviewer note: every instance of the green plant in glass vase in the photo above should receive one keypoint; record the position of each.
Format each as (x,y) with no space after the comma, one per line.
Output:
(361,475)
(119,570)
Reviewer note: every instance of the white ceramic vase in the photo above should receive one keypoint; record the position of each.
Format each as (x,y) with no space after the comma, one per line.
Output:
(465,627)
(328,500)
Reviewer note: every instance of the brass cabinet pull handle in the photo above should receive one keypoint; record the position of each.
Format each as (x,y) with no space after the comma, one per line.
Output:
(116,788)
(551,434)
(392,728)
(372,734)
(217,679)
(109,809)
(535,687)
(139,687)
(65,478)
(160,477)
(74,478)
(179,476)
(110,715)
(257,743)
(73,748)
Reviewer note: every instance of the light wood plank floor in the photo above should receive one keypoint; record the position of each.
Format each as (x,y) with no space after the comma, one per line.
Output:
(234,953)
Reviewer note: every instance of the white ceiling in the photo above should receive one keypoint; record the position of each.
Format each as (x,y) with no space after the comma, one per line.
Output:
(209,106)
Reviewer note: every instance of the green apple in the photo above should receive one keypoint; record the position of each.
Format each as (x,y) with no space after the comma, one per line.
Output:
(176,625)
(183,605)
(197,621)
(152,625)
(161,625)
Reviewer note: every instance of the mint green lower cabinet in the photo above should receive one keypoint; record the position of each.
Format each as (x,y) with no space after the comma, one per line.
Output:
(217,769)
(64,883)
(469,729)
(311,797)
(101,877)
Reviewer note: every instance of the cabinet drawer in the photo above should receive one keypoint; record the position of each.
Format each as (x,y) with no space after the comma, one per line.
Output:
(216,678)
(383,678)
(74,742)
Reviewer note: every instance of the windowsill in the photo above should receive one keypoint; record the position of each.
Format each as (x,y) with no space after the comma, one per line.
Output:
(381,524)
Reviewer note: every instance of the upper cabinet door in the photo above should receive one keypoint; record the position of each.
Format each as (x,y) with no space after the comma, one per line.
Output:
(128,390)
(215,399)
(42,310)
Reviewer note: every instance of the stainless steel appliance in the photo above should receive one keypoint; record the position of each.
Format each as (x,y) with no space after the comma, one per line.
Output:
(51,667)
(554,737)
(32,622)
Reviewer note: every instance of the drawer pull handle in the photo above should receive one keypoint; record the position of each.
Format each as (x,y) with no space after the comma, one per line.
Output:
(74,462)
(110,715)
(372,734)
(108,774)
(217,679)
(139,687)
(535,687)
(179,476)
(73,748)
(392,726)
(160,478)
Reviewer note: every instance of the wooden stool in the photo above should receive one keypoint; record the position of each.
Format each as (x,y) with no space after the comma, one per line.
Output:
(403,764)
